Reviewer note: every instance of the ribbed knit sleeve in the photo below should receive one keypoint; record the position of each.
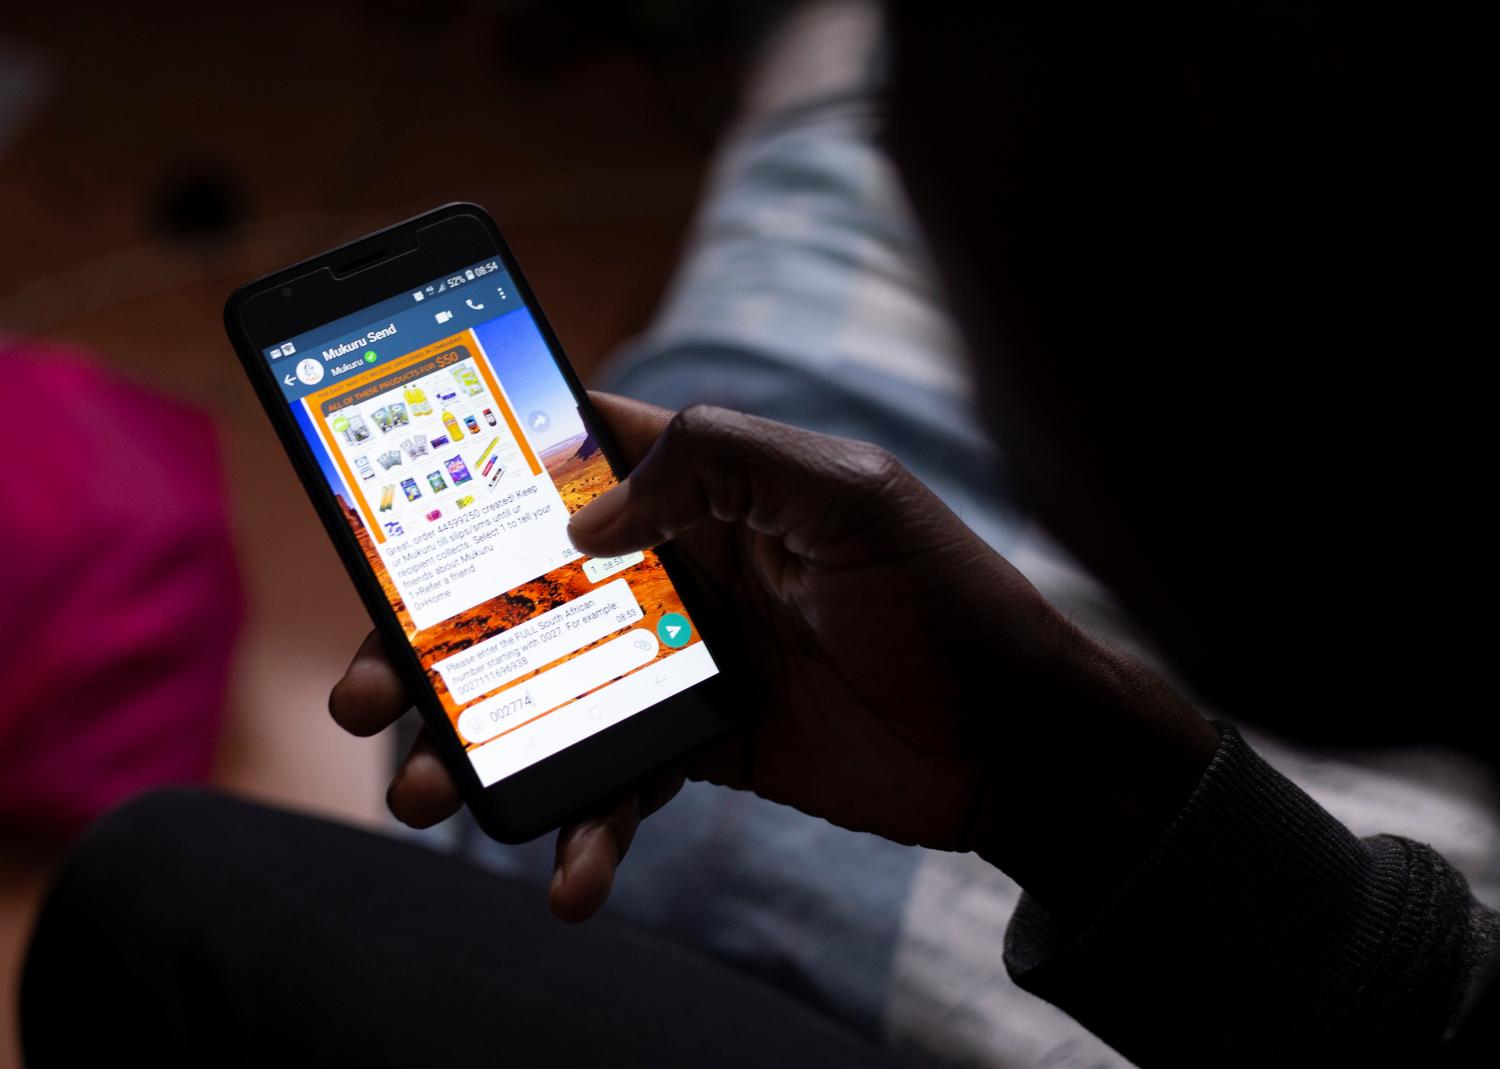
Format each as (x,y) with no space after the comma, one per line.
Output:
(1260,932)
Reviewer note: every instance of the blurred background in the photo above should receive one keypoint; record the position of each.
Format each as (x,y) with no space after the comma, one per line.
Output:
(172,609)
(154,157)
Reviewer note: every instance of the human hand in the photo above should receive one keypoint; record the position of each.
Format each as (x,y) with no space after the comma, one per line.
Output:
(904,678)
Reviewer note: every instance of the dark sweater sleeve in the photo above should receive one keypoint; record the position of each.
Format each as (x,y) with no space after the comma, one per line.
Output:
(1259,931)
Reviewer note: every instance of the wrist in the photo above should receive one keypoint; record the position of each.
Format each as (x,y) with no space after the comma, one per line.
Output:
(1110,756)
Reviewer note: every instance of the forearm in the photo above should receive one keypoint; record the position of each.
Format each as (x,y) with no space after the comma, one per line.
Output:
(1092,774)
(1258,930)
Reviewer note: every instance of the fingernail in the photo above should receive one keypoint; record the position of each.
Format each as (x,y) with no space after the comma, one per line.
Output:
(602,512)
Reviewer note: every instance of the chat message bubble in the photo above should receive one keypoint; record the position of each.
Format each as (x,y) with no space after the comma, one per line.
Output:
(539,641)
(558,685)
(599,569)
(513,535)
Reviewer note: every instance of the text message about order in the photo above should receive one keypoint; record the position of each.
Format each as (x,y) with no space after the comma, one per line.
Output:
(539,641)
(517,534)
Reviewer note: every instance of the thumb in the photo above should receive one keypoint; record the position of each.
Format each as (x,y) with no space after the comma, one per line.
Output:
(805,489)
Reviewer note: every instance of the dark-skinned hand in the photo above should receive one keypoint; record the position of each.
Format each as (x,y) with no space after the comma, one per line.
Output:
(898,675)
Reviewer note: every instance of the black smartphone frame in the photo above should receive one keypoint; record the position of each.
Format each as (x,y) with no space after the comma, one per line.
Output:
(358,275)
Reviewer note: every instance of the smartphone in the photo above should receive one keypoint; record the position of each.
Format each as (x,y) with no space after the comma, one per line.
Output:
(551,681)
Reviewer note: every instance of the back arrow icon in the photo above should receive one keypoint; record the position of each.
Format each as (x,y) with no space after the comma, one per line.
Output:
(288,381)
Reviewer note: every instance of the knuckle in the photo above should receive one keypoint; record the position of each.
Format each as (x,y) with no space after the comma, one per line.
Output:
(703,436)
(870,469)
(698,424)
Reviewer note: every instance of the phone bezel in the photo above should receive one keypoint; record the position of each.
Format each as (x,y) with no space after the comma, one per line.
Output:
(364,272)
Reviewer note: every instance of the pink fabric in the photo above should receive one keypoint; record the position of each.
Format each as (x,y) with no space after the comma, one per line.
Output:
(119,596)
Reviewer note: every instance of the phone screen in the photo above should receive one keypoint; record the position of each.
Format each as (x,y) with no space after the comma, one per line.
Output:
(456,450)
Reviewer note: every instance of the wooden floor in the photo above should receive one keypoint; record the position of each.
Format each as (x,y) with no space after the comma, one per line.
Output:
(325,120)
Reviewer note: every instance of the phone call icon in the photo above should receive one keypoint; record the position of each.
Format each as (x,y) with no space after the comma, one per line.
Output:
(476,305)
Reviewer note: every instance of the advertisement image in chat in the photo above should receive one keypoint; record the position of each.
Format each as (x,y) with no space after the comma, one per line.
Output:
(457,467)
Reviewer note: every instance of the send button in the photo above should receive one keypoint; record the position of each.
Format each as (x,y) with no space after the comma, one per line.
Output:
(674,630)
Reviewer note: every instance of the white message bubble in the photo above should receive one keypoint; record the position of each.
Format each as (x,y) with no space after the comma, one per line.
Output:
(451,565)
(599,569)
(603,708)
(539,641)
(562,683)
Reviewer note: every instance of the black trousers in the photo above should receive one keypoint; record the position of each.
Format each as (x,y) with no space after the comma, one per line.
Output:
(196,929)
